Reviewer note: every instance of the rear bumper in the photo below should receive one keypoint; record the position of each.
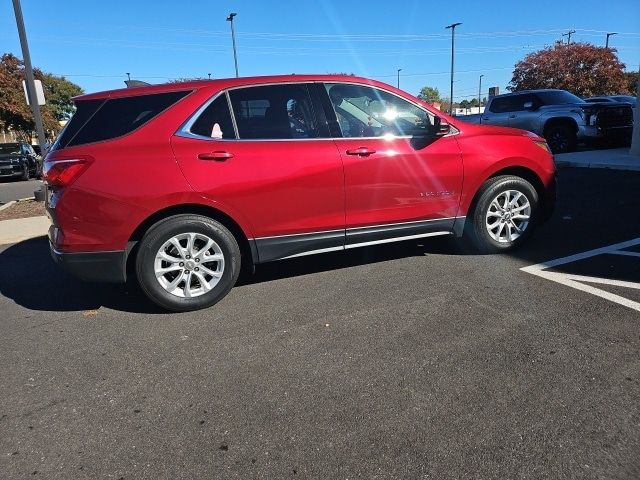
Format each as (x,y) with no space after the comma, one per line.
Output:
(93,266)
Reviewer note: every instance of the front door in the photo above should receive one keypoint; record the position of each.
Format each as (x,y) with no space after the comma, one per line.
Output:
(277,172)
(397,186)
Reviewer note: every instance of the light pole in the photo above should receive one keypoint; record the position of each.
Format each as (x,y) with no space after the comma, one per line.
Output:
(453,35)
(399,70)
(233,39)
(480,95)
(31,83)
(609,35)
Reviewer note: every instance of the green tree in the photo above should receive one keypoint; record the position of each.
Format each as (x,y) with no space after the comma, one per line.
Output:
(58,92)
(464,104)
(581,68)
(429,95)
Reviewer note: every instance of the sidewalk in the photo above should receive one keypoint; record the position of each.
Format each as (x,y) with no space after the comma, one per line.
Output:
(615,158)
(14,231)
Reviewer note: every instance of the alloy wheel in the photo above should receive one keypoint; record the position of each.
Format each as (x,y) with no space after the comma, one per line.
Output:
(508,216)
(189,265)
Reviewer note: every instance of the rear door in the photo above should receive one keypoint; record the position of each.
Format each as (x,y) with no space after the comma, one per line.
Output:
(271,164)
(498,112)
(521,117)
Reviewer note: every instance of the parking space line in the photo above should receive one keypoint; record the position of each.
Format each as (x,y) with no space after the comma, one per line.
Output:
(625,253)
(574,281)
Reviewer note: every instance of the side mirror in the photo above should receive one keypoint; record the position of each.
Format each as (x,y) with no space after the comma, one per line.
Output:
(437,130)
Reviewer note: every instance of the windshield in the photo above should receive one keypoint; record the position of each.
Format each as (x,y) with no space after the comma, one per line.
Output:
(558,97)
(9,148)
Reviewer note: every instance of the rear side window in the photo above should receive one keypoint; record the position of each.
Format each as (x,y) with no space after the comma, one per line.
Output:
(97,120)
(215,122)
(274,112)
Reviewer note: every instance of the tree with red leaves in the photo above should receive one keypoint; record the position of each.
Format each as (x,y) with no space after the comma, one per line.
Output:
(581,68)
(16,115)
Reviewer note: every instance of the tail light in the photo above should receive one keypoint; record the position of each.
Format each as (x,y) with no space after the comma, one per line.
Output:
(62,173)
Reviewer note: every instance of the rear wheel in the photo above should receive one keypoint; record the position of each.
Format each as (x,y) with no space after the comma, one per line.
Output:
(504,214)
(187,262)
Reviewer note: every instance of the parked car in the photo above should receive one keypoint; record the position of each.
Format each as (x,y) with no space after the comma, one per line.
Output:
(560,117)
(633,101)
(182,184)
(19,160)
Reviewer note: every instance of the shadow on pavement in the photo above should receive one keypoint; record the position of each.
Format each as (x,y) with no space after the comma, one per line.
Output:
(595,208)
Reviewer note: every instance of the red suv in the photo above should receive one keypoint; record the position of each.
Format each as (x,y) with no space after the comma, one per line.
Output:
(183,183)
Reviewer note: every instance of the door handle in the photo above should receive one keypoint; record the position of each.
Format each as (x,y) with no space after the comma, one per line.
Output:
(512,116)
(361,151)
(218,155)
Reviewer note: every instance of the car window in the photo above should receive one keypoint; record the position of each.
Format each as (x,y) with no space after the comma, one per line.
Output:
(511,103)
(274,112)
(364,111)
(97,120)
(215,121)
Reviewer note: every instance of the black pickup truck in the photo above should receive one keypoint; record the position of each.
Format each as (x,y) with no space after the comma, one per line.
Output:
(19,160)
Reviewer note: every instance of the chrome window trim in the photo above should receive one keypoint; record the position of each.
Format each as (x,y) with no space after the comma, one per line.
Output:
(185,128)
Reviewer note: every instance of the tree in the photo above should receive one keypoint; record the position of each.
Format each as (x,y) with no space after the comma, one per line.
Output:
(464,104)
(429,95)
(16,115)
(632,81)
(581,68)
(59,91)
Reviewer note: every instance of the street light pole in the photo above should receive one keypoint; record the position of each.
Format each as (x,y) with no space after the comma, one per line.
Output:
(233,39)
(31,84)
(453,31)
(480,94)
(399,70)
(609,35)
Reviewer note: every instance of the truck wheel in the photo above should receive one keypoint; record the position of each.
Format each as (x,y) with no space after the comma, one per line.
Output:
(503,216)
(25,172)
(187,262)
(561,138)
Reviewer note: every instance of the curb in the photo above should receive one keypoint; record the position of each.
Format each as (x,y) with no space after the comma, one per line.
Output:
(7,205)
(20,229)
(609,166)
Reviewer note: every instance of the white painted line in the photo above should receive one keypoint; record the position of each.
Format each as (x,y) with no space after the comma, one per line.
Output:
(563,280)
(583,255)
(625,253)
(604,281)
(574,281)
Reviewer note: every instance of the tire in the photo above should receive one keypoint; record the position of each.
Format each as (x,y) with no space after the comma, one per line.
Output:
(561,138)
(479,233)
(193,277)
(25,172)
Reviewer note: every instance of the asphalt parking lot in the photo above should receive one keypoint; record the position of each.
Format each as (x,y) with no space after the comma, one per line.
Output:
(405,361)
(17,189)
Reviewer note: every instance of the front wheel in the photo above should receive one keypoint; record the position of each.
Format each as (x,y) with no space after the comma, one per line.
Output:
(504,214)
(25,173)
(187,262)
(561,138)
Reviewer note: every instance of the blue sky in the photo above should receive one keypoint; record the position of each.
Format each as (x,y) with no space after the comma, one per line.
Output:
(95,43)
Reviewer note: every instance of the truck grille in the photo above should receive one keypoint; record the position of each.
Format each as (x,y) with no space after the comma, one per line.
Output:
(619,116)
